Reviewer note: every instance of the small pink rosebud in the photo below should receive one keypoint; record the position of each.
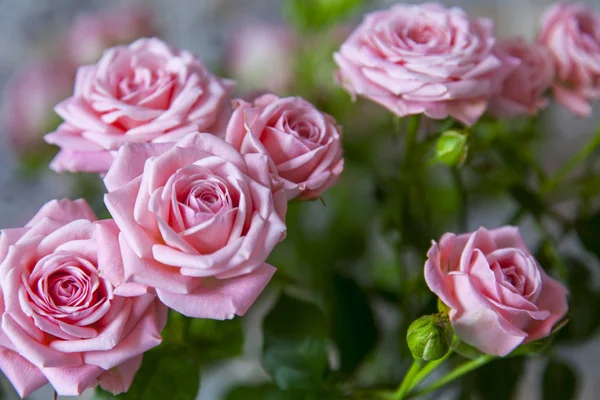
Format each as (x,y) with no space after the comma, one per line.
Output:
(498,295)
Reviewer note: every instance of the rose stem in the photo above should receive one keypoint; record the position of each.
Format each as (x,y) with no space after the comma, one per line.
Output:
(454,374)
(406,382)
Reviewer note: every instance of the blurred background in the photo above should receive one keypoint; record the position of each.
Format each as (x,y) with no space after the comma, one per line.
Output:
(259,43)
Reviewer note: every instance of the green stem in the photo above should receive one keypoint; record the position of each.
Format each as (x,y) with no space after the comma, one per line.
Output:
(411,139)
(583,153)
(406,382)
(463,216)
(427,370)
(454,374)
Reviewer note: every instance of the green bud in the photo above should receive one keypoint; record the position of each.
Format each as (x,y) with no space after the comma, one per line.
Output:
(451,148)
(430,337)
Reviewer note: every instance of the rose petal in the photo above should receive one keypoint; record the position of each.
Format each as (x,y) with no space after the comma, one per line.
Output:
(220,299)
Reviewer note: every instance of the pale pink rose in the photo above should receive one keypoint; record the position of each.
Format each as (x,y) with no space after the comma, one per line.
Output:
(304,144)
(261,56)
(91,33)
(145,92)
(426,58)
(67,318)
(197,222)
(498,294)
(572,34)
(30,98)
(524,89)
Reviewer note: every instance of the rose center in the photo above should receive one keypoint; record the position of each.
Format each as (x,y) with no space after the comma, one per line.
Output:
(306,130)
(421,35)
(512,277)
(65,286)
(586,26)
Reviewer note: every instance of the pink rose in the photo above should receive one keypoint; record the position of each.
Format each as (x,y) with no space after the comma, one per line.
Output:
(572,33)
(197,221)
(424,58)
(498,294)
(145,92)
(260,56)
(64,320)
(523,90)
(303,143)
(29,100)
(93,32)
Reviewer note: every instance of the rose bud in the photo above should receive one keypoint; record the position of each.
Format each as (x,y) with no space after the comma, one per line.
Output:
(198,220)
(144,92)
(303,143)
(451,148)
(572,34)
(498,296)
(92,33)
(425,58)
(67,317)
(429,337)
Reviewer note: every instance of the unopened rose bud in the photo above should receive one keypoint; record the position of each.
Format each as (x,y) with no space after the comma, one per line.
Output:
(429,337)
(451,148)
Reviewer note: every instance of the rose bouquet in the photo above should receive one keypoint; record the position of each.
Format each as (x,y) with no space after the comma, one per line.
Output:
(340,210)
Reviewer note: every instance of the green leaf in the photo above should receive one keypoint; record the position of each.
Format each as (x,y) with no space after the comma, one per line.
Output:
(214,340)
(167,372)
(353,324)
(295,344)
(263,392)
(497,380)
(584,304)
(559,381)
(318,14)
(217,339)
(588,230)
(271,392)
(527,199)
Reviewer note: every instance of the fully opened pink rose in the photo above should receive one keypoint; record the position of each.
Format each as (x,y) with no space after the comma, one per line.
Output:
(426,58)
(64,320)
(572,34)
(197,222)
(304,144)
(498,294)
(144,92)
(523,91)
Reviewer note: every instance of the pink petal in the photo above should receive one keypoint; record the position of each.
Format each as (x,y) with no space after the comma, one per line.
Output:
(64,210)
(129,163)
(80,161)
(118,379)
(572,100)
(24,376)
(553,299)
(220,299)
(72,381)
(479,324)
